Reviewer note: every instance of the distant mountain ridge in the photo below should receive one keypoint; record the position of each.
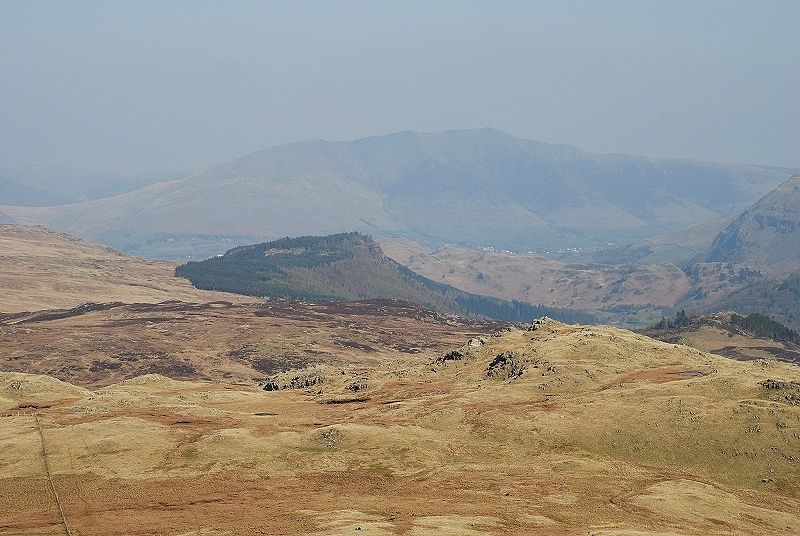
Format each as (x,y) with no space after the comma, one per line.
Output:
(344,267)
(470,187)
(44,186)
(16,193)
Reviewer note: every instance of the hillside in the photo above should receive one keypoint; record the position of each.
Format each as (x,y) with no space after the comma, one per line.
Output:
(342,267)
(54,185)
(94,346)
(45,269)
(778,297)
(679,247)
(546,429)
(472,187)
(15,193)
(749,337)
(633,294)
(765,236)
(538,279)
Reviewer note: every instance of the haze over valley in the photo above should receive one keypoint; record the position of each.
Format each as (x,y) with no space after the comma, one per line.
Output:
(473,188)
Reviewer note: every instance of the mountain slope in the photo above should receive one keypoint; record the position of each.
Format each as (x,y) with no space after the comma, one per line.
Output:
(779,297)
(347,266)
(16,193)
(45,269)
(56,185)
(767,235)
(475,187)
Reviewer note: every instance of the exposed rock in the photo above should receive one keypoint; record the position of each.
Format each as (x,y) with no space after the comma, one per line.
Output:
(454,355)
(476,342)
(296,379)
(306,380)
(271,385)
(331,437)
(505,366)
(358,385)
(788,391)
(779,384)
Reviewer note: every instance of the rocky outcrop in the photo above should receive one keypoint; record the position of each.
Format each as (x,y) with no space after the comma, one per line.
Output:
(505,366)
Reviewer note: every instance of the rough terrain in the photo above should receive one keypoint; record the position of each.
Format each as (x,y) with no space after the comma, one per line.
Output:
(716,334)
(537,279)
(557,430)
(105,343)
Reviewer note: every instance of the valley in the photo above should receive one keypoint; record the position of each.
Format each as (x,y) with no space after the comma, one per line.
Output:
(590,287)
(749,264)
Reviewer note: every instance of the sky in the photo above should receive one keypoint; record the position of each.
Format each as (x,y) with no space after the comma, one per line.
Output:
(161,85)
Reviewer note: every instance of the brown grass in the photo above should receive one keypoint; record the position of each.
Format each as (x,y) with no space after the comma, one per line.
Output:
(46,269)
(597,436)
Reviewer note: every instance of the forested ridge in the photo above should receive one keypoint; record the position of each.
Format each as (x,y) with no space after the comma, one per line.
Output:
(347,266)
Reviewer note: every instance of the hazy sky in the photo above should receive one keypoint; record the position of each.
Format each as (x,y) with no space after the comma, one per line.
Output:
(183,85)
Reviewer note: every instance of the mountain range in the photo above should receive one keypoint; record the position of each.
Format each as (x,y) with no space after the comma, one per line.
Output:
(470,187)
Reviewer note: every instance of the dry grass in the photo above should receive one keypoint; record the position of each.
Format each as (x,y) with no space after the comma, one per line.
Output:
(223,341)
(46,269)
(603,432)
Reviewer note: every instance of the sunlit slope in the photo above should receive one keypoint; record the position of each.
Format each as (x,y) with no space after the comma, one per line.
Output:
(767,235)
(45,269)
(561,429)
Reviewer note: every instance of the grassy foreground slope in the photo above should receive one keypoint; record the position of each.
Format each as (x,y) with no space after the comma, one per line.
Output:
(235,343)
(341,267)
(558,430)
